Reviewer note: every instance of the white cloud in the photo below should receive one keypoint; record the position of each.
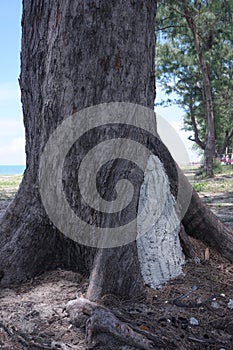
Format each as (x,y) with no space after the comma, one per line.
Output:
(174,116)
(193,155)
(13,152)
(11,127)
(176,140)
(12,145)
(9,92)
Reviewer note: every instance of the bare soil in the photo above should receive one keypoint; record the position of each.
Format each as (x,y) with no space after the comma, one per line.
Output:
(33,316)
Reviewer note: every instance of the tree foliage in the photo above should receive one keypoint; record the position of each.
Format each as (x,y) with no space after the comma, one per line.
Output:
(178,67)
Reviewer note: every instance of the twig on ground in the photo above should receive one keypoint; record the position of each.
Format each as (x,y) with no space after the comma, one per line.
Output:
(29,342)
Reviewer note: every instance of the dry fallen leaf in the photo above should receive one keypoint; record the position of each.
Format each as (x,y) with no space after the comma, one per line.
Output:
(207,254)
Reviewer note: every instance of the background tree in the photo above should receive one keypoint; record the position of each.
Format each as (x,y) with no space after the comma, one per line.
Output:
(195,61)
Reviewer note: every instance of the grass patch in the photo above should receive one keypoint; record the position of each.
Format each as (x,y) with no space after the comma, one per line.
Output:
(218,168)
(222,182)
(200,186)
(9,186)
(214,185)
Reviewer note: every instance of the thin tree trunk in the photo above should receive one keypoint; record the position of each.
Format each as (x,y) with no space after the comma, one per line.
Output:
(196,138)
(227,139)
(209,152)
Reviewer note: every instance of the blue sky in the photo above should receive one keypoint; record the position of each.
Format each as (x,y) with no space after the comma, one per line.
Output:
(11,120)
(11,125)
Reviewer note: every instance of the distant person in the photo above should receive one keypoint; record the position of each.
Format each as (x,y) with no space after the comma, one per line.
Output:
(228,159)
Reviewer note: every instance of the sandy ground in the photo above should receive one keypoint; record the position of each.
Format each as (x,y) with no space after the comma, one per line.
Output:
(33,316)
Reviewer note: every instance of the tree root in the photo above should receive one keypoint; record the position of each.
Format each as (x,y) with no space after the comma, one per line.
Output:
(201,223)
(186,243)
(104,328)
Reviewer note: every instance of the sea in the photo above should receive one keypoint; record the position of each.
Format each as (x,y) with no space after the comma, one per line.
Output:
(12,169)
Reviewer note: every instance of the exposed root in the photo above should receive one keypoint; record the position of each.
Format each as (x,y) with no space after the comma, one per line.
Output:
(104,328)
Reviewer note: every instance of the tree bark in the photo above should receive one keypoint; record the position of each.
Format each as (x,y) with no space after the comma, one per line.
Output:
(74,55)
(196,138)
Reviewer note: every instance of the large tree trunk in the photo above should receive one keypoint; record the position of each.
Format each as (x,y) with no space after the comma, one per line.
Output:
(75,54)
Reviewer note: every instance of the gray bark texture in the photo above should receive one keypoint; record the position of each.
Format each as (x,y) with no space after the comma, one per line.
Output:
(75,54)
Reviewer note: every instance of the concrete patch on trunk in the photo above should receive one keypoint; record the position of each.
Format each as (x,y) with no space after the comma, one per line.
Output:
(159,250)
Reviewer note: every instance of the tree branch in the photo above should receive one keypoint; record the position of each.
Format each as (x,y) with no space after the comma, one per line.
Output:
(195,129)
(18,337)
(171,26)
(177,11)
